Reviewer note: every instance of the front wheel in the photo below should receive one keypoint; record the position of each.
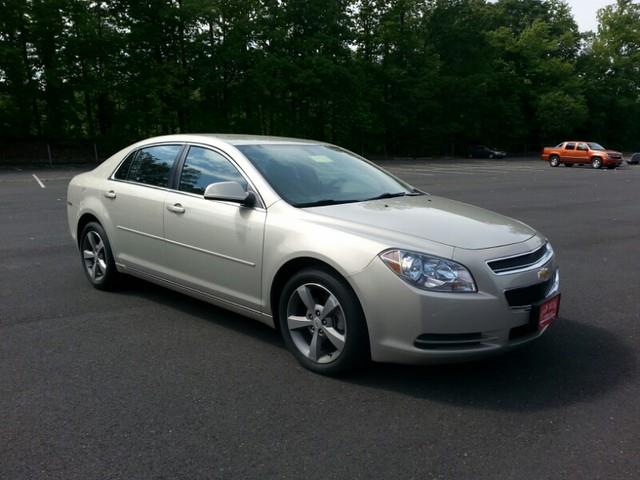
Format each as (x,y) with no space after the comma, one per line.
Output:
(322,323)
(554,161)
(97,258)
(596,162)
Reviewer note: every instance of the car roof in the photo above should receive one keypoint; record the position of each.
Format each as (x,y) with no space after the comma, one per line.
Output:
(235,139)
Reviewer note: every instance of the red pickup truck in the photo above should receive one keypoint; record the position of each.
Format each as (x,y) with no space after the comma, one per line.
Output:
(571,153)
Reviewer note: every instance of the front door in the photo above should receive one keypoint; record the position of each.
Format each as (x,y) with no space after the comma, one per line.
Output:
(214,247)
(582,153)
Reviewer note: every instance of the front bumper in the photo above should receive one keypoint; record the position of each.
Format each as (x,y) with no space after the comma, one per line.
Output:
(414,326)
(609,162)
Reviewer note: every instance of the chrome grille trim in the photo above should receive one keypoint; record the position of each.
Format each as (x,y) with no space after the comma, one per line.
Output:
(529,261)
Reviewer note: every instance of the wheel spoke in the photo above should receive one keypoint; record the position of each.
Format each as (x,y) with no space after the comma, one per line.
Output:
(92,240)
(92,270)
(314,347)
(99,247)
(336,338)
(330,305)
(305,296)
(295,321)
(102,266)
(88,254)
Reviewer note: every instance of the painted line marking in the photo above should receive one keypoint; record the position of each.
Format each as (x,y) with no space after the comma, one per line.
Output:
(38,180)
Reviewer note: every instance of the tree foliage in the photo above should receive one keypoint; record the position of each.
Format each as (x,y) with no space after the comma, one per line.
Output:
(396,77)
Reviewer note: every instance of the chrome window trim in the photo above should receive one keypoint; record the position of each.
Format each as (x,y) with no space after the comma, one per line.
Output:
(260,207)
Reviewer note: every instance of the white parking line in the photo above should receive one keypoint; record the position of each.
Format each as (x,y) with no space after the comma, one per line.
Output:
(38,180)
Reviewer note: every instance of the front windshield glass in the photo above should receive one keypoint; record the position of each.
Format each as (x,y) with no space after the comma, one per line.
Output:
(595,146)
(311,175)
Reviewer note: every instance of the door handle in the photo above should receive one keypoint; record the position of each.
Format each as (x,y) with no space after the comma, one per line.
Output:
(175,208)
(110,194)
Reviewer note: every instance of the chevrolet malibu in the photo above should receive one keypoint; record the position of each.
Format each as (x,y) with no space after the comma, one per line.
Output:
(347,261)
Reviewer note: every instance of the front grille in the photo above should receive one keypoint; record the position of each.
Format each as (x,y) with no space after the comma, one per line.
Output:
(615,155)
(522,297)
(518,262)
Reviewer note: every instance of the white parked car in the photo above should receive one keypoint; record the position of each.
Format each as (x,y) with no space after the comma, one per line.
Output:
(346,260)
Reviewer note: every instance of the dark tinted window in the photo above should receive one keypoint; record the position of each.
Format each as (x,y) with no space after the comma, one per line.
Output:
(152,165)
(570,146)
(123,171)
(203,167)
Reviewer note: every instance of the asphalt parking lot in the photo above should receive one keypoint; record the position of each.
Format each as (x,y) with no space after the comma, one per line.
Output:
(147,383)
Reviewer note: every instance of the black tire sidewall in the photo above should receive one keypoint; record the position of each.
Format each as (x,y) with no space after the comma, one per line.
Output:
(555,159)
(593,163)
(108,278)
(356,350)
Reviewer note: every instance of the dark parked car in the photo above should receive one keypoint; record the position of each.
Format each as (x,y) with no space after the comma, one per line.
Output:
(482,151)
(635,159)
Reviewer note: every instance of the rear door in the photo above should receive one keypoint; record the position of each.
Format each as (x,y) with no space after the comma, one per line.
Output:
(569,153)
(213,246)
(135,201)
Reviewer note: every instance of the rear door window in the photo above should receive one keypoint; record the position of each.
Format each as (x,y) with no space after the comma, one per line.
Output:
(152,165)
(203,167)
(582,147)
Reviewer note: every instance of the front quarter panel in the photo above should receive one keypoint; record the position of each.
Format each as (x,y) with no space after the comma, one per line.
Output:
(292,233)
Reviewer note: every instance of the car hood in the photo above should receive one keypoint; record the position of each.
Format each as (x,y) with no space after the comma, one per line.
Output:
(432,218)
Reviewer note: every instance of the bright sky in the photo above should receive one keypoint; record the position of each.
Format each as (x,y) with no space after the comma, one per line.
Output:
(585,11)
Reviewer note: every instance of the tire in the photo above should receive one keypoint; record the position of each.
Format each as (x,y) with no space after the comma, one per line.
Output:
(554,160)
(491,156)
(340,338)
(96,256)
(568,164)
(596,162)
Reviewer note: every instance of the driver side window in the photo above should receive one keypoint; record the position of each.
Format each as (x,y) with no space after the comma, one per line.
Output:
(203,167)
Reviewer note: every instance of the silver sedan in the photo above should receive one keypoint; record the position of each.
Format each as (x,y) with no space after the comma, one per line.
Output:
(349,262)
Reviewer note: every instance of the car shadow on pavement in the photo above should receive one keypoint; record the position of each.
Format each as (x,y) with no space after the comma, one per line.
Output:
(572,362)
(131,286)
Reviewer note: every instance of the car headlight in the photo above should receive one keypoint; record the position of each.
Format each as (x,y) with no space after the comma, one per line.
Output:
(428,272)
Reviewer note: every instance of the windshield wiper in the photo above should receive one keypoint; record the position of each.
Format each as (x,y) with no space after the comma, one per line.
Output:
(321,203)
(393,195)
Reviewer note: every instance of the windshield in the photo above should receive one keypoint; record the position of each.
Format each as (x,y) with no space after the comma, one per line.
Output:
(312,175)
(595,146)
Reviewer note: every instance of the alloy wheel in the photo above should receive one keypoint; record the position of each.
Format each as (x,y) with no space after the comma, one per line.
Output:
(93,254)
(316,323)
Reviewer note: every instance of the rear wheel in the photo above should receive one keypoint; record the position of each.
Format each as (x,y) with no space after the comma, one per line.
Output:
(322,323)
(596,162)
(97,259)
(554,160)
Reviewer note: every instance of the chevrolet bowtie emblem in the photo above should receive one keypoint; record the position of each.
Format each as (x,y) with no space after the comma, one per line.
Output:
(544,273)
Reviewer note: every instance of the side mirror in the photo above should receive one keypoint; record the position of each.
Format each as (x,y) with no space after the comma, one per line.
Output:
(230,192)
